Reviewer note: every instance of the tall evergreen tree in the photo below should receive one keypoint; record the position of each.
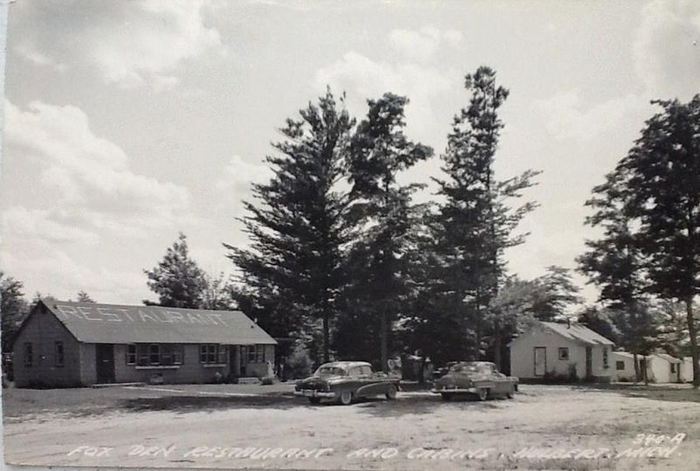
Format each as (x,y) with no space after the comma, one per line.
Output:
(382,208)
(558,292)
(662,178)
(177,279)
(83,297)
(475,224)
(297,225)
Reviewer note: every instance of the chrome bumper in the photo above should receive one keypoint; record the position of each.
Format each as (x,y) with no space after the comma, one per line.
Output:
(314,393)
(454,390)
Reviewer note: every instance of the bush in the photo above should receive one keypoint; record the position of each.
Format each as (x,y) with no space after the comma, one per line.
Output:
(298,364)
(267,380)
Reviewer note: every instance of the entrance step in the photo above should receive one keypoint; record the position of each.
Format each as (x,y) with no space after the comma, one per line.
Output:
(116,385)
(249,380)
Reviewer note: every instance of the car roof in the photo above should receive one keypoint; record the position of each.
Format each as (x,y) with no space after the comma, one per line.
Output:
(345,364)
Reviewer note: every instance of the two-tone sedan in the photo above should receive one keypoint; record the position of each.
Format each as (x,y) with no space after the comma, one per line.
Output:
(480,378)
(345,381)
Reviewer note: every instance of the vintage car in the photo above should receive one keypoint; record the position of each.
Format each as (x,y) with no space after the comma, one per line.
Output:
(344,381)
(475,377)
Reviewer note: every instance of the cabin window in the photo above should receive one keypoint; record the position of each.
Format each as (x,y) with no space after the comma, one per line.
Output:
(620,365)
(58,354)
(212,354)
(605,358)
(155,354)
(256,354)
(131,354)
(564,353)
(28,354)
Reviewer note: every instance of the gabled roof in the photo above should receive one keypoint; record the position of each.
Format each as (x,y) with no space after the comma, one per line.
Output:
(113,323)
(577,332)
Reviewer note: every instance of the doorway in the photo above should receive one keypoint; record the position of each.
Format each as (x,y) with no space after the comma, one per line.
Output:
(105,362)
(589,362)
(540,361)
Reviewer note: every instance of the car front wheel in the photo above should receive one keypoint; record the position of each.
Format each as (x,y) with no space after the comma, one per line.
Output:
(315,400)
(346,398)
(482,394)
(391,393)
(446,396)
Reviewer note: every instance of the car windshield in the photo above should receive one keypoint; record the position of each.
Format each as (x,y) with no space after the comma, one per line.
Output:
(329,371)
(464,368)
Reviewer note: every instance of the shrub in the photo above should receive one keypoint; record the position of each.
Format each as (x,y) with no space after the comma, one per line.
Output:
(267,380)
(298,364)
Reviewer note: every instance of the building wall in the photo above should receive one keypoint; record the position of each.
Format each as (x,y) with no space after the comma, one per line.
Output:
(660,370)
(522,355)
(626,374)
(687,370)
(42,330)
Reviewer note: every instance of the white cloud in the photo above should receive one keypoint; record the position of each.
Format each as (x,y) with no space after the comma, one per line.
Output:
(567,116)
(364,78)
(421,45)
(130,44)
(157,35)
(667,48)
(87,179)
(239,175)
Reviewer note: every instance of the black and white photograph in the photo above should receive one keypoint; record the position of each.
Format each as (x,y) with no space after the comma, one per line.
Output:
(350,235)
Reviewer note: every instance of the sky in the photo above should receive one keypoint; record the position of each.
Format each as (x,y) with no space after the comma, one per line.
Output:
(128,122)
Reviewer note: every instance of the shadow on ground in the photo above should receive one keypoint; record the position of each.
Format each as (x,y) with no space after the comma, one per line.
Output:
(423,404)
(194,403)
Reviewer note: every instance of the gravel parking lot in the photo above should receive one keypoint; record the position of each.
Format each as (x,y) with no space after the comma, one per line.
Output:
(249,426)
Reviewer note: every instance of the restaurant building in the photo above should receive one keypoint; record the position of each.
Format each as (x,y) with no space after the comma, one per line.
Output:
(67,344)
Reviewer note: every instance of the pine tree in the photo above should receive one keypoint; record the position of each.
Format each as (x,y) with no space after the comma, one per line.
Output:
(297,226)
(177,279)
(378,271)
(475,224)
(83,297)
(662,178)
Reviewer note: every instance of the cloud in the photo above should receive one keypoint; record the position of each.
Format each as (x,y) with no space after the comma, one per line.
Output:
(421,45)
(567,116)
(86,179)
(37,58)
(667,48)
(130,44)
(238,175)
(364,78)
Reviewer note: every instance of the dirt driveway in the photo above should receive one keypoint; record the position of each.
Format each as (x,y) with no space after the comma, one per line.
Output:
(226,426)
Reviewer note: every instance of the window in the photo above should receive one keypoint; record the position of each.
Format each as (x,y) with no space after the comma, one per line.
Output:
(154,354)
(619,365)
(58,354)
(605,358)
(564,353)
(256,353)
(131,354)
(212,354)
(28,354)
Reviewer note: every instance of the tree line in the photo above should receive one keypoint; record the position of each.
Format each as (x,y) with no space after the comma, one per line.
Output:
(343,263)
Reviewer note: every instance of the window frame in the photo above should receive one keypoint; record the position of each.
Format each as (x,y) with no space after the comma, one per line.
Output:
(617,365)
(28,354)
(565,352)
(131,356)
(212,354)
(59,354)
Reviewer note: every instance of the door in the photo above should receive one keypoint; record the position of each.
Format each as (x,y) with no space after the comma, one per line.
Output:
(540,361)
(234,360)
(105,362)
(589,362)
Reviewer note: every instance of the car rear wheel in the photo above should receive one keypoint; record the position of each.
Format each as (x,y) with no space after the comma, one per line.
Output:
(391,392)
(509,394)
(345,398)
(446,396)
(315,400)
(482,394)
